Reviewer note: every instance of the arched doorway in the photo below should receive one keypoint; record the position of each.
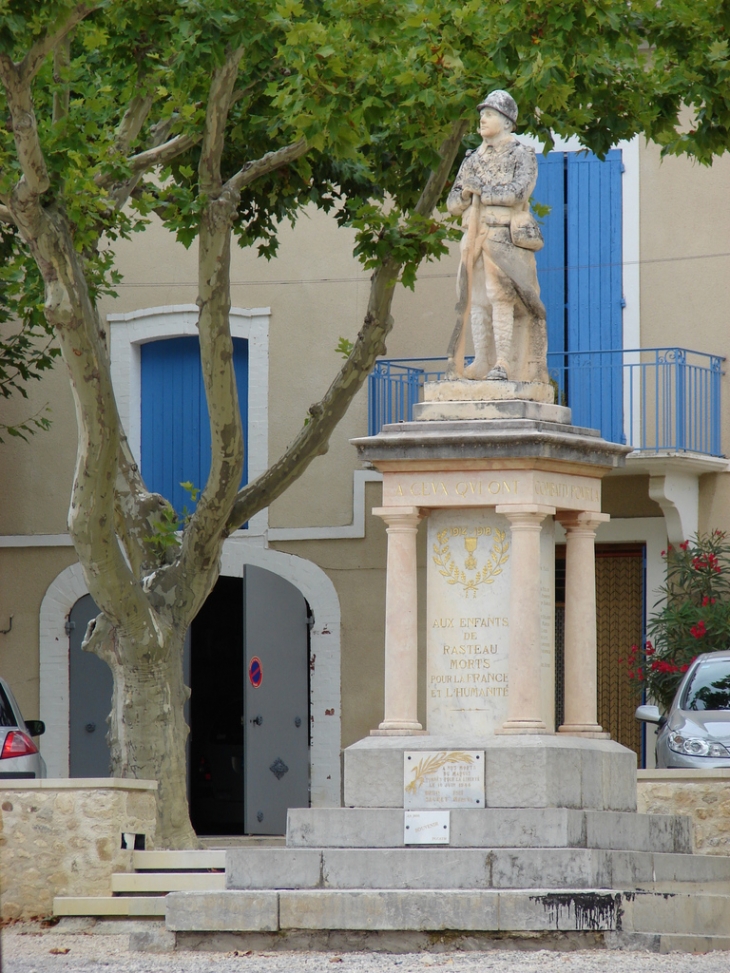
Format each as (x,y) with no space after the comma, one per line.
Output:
(247,663)
(324,659)
(249,709)
(90,691)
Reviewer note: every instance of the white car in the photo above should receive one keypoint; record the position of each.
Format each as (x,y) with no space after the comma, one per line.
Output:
(695,733)
(19,756)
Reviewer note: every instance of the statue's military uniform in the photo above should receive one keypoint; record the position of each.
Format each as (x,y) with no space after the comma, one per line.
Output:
(507,315)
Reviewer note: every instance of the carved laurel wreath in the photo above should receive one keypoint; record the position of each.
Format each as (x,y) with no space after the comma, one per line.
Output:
(455,575)
(430,765)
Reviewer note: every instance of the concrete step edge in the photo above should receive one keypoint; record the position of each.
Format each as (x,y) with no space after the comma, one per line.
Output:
(167,881)
(68,905)
(186,860)
(630,914)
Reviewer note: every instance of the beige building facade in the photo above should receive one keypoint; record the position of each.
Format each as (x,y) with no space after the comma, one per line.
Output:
(321,536)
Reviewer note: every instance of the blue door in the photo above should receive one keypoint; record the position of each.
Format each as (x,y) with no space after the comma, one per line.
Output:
(579,270)
(175,426)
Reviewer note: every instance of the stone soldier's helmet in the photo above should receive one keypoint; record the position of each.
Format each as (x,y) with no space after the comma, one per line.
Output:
(503,102)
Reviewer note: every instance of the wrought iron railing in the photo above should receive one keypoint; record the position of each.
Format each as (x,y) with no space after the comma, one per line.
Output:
(653,399)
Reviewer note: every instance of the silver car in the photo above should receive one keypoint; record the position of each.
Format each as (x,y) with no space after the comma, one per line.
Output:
(695,733)
(19,756)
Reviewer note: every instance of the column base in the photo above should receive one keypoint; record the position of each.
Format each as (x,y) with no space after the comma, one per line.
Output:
(522,726)
(590,730)
(398,728)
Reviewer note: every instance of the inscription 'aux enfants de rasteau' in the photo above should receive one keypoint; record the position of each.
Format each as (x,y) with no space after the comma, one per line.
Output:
(447,490)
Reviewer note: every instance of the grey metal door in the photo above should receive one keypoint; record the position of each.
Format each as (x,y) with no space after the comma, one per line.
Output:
(276,695)
(90,698)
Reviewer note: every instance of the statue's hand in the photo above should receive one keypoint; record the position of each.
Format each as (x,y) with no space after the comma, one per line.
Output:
(470,188)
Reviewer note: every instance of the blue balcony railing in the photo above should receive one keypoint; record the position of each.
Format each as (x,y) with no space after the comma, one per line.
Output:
(653,399)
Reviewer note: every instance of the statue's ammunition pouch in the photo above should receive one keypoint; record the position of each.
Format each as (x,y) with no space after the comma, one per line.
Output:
(525,232)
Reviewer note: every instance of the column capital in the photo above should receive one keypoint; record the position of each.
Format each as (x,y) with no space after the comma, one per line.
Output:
(587,520)
(525,514)
(403,518)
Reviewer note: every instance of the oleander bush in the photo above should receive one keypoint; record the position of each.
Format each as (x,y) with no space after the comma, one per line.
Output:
(694,617)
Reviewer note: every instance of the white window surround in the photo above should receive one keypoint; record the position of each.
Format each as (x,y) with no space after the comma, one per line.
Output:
(130,331)
(311,580)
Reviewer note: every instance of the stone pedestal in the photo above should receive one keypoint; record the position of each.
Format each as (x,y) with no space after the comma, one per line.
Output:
(491,490)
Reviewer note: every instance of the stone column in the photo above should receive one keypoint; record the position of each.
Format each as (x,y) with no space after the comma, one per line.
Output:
(401,623)
(524,709)
(580,666)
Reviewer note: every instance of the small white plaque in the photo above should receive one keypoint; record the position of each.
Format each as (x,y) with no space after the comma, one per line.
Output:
(426,828)
(443,778)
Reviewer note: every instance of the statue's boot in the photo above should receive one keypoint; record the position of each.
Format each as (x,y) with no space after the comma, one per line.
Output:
(480,321)
(503,317)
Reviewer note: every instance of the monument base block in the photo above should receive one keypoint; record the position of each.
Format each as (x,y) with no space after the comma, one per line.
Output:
(457,409)
(535,771)
(484,391)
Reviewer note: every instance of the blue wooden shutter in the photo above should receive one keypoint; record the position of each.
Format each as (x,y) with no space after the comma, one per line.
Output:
(175,426)
(595,299)
(550,191)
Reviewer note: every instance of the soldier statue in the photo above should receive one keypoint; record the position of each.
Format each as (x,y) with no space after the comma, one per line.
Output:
(497,283)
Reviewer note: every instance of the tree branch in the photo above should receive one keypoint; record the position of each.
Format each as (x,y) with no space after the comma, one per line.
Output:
(137,514)
(24,201)
(160,155)
(219,103)
(267,163)
(132,121)
(31,63)
(61,62)
(156,155)
(313,440)
(6,216)
(204,534)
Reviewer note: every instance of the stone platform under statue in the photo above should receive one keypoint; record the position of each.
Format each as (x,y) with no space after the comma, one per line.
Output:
(486,823)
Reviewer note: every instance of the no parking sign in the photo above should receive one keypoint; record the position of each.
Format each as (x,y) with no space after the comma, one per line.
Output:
(255,672)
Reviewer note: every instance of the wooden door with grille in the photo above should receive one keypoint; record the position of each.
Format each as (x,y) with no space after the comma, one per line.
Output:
(620,613)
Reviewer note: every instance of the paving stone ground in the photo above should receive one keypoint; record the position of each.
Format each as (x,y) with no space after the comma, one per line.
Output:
(30,951)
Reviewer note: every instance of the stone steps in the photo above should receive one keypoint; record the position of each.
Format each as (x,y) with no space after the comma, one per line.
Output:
(495,828)
(142,892)
(178,861)
(163,882)
(649,914)
(470,869)
(109,905)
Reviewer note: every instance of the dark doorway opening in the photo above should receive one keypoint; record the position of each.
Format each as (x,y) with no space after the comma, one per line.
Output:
(216,712)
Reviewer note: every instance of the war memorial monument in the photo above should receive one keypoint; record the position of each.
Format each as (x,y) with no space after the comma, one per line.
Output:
(490,820)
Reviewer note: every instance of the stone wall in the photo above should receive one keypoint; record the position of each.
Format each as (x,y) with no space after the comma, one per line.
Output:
(702,794)
(64,837)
